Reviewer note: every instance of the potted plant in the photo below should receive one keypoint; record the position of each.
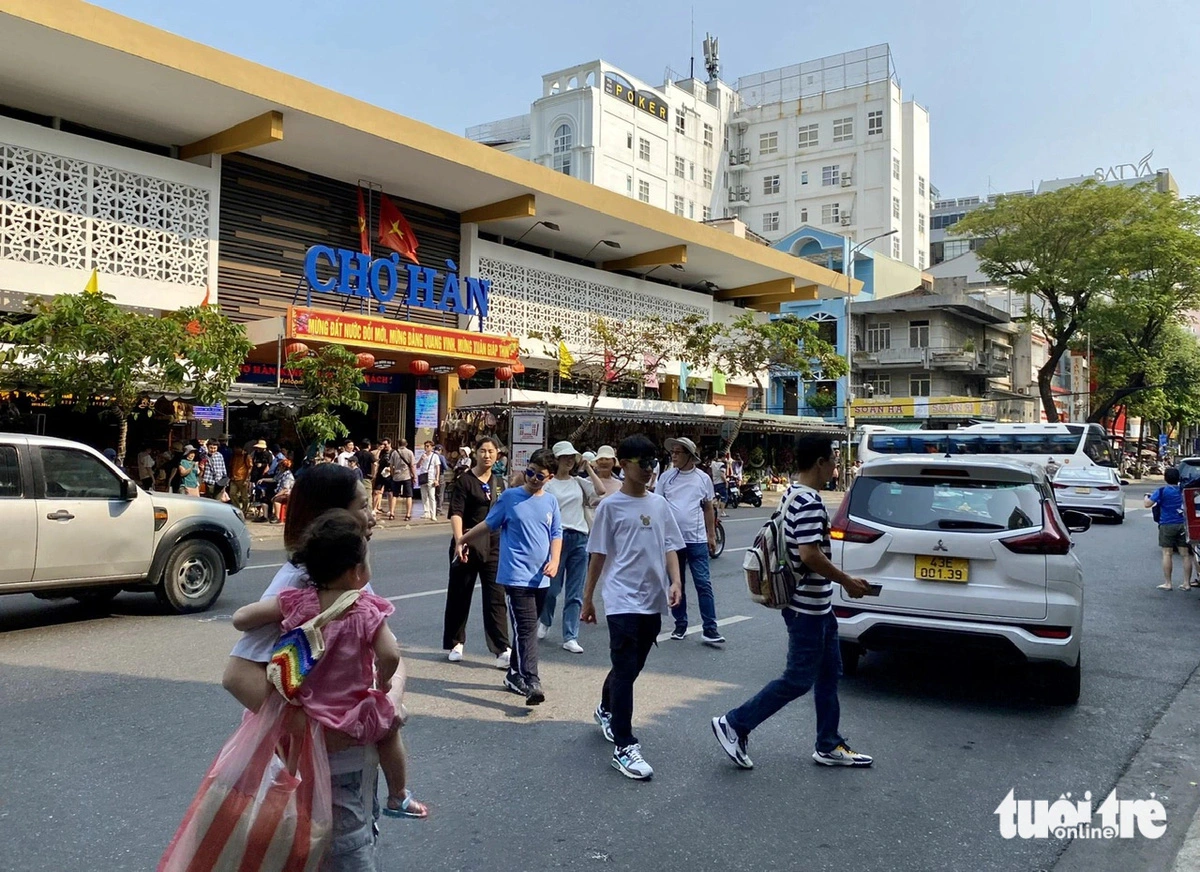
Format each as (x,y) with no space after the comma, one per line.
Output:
(822,401)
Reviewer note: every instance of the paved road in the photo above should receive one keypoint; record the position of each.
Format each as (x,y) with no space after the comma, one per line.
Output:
(109,722)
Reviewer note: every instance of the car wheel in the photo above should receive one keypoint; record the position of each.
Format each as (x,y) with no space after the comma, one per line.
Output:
(1062,683)
(193,578)
(97,598)
(851,654)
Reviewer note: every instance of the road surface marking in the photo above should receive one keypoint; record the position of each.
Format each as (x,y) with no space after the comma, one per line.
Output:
(263,566)
(404,596)
(736,619)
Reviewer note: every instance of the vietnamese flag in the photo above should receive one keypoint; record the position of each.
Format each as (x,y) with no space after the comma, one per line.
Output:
(394,231)
(364,241)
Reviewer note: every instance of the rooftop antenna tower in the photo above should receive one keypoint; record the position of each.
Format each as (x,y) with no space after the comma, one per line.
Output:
(692,47)
(712,60)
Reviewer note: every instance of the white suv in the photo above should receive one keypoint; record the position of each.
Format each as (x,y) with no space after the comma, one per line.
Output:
(963,551)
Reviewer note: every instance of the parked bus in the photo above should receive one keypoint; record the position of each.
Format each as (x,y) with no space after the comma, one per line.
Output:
(1068,444)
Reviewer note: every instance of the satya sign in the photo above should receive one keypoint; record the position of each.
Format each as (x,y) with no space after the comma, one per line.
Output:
(647,101)
(342,271)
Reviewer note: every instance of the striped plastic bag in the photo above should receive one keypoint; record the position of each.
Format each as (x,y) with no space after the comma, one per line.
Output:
(265,804)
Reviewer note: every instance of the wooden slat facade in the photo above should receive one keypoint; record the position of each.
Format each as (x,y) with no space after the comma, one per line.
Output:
(271,214)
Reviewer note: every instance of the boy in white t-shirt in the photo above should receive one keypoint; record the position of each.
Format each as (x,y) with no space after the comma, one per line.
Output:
(633,544)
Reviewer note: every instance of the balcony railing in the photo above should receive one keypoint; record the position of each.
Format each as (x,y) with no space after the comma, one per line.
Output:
(994,361)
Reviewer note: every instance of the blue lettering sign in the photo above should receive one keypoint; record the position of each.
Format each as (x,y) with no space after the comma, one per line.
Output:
(358,275)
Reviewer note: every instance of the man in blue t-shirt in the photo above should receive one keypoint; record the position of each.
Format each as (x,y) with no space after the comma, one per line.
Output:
(1172,531)
(531,536)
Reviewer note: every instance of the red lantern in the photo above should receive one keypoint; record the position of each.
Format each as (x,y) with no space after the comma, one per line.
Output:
(365,360)
(296,349)
(504,373)
(466,370)
(419,367)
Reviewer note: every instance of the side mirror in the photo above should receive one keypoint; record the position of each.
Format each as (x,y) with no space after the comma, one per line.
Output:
(1124,481)
(129,490)
(1077,522)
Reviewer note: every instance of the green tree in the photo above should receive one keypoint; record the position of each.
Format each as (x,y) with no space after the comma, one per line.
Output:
(1135,327)
(1064,248)
(330,380)
(750,348)
(609,353)
(83,348)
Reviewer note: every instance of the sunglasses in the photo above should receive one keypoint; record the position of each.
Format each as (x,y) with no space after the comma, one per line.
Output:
(534,475)
(646,463)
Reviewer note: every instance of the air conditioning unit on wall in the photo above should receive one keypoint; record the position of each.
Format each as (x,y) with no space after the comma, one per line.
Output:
(847,180)
(847,219)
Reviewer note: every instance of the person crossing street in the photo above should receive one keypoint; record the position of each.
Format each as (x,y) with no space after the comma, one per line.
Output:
(689,491)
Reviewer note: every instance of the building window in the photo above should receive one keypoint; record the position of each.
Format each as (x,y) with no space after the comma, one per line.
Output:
(771,184)
(921,223)
(830,175)
(843,130)
(691,209)
(895,207)
(629,141)
(692,170)
(804,177)
(921,259)
(808,136)
(918,385)
(920,186)
(562,149)
(643,148)
(955,247)
(881,385)
(896,247)
(770,222)
(708,136)
(679,166)
(679,205)
(879,337)
(875,122)
(829,213)
(644,191)
(707,213)
(768,143)
(896,168)
(708,177)
(680,124)
(629,185)
(918,334)
(803,215)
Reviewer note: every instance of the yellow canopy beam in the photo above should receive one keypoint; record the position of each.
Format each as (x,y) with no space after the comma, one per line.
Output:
(801,296)
(517,207)
(263,130)
(661,257)
(773,288)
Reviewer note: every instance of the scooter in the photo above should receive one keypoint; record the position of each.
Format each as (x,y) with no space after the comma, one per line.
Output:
(748,492)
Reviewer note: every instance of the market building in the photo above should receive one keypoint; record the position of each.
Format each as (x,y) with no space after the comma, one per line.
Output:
(218,177)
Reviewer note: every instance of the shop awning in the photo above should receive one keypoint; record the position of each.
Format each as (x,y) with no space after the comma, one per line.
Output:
(758,422)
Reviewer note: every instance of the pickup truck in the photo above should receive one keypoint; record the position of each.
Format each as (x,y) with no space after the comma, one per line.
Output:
(77,526)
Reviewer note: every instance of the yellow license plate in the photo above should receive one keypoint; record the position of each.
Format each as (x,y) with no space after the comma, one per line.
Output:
(941,568)
(1083,490)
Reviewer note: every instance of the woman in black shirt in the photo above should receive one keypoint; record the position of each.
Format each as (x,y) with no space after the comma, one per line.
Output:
(475,491)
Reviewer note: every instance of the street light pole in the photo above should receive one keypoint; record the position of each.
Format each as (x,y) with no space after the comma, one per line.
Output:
(848,271)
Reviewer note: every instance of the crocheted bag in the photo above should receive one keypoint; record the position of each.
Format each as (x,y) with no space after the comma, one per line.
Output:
(298,651)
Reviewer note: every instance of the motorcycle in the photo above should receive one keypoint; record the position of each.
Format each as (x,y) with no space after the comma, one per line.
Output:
(749,492)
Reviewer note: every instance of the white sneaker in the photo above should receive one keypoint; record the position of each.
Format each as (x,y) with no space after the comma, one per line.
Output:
(572,646)
(502,660)
(842,756)
(455,654)
(630,763)
(543,631)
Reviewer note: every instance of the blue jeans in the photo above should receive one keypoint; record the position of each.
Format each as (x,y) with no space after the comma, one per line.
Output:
(814,661)
(572,572)
(695,555)
(355,816)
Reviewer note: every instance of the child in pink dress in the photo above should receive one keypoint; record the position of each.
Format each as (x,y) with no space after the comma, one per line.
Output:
(347,689)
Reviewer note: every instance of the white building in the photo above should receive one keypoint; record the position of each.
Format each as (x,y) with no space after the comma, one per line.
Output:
(828,142)
(598,123)
(831,142)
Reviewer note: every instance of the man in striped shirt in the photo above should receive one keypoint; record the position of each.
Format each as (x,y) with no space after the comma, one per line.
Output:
(814,659)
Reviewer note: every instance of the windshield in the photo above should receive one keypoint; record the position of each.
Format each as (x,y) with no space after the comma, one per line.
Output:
(926,503)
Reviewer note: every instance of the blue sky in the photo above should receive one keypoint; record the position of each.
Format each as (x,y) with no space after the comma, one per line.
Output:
(1017,91)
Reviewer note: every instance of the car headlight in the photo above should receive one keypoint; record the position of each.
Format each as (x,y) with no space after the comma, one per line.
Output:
(238,513)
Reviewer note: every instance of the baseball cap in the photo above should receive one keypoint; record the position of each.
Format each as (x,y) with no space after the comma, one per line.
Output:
(562,449)
(606,451)
(686,444)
